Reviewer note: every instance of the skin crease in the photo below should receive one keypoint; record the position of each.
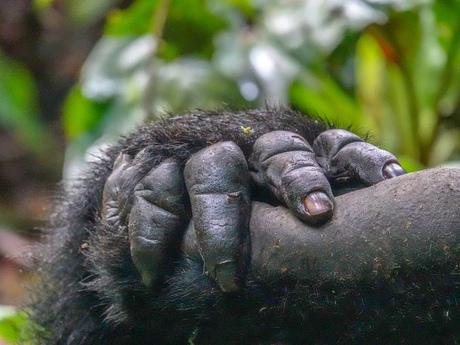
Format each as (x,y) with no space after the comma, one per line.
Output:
(123,278)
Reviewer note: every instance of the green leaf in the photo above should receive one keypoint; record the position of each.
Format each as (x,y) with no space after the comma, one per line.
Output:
(189,30)
(42,5)
(19,105)
(12,324)
(383,110)
(448,32)
(244,6)
(322,94)
(135,20)
(81,114)
(85,12)
(409,164)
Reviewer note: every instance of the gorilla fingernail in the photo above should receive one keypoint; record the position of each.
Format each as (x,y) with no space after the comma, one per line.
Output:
(318,203)
(226,276)
(391,170)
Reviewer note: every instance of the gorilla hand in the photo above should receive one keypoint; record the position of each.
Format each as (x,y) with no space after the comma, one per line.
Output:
(215,186)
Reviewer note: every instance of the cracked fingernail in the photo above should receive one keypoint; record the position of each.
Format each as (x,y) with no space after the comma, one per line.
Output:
(391,170)
(226,276)
(318,203)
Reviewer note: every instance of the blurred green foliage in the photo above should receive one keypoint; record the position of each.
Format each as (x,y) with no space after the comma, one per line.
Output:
(18,105)
(12,325)
(392,67)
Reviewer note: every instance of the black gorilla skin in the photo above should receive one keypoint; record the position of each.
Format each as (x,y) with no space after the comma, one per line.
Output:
(92,292)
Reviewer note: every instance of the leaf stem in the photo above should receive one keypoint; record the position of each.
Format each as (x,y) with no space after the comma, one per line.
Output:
(159,18)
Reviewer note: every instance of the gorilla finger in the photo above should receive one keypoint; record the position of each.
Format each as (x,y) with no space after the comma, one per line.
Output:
(285,163)
(345,156)
(217,180)
(158,218)
(120,184)
(140,166)
(110,209)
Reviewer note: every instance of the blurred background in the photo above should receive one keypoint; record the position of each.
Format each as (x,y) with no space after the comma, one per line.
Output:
(75,74)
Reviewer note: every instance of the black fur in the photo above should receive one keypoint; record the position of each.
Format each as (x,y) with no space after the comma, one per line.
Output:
(91,293)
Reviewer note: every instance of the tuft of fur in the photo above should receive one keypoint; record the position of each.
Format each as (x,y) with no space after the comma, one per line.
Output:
(89,291)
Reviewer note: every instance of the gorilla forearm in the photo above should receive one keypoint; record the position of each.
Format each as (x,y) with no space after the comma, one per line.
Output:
(386,275)
(406,221)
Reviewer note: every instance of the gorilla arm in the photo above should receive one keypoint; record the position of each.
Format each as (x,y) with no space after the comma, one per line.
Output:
(383,270)
(412,220)
(113,271)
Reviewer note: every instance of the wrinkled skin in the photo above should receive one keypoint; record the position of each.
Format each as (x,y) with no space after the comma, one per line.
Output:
(114,261)
(217,181)
(384,273)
